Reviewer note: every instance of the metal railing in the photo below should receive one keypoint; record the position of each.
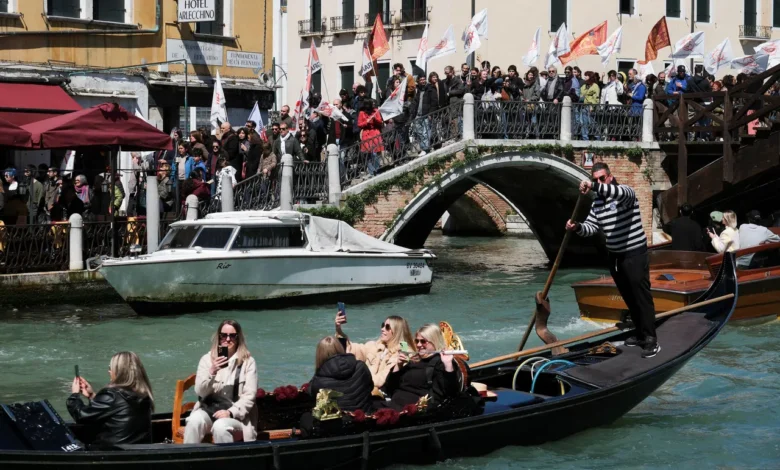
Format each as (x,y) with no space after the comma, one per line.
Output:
(310,181)
(307,27)
(386,16)
(517,120)
(97,237)
(605,122)
(415,15)
(257,193)
(34,248)
(755,32)
(344,23)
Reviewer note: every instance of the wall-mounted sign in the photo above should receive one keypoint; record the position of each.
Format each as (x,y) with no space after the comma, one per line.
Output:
(245,60)
(192,11)
(196,52)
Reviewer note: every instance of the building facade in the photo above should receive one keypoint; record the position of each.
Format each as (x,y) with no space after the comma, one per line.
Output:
(116,50)
(339,27)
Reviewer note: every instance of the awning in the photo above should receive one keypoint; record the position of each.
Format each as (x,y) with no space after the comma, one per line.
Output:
(23,103)
(13,136)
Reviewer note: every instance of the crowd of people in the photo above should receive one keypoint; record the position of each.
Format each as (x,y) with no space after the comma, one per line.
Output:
(393,371)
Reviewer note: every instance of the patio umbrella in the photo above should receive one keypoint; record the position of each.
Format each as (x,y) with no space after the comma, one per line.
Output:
(12,135)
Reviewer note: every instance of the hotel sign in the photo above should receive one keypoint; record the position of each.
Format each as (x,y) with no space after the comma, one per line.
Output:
(196,52)
(245,60)
(193,11)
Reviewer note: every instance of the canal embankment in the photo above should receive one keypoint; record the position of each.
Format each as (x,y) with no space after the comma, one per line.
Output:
(81,287)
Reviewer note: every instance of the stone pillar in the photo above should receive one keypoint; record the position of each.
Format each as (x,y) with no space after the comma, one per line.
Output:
(334,174)
(152,214)
(286,196)
(647,121)
(75,242)
(226,199)
(566,119)
(192,207)
(468,117)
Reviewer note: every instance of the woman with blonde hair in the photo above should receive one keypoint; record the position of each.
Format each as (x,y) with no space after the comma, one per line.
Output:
(122,411)
(382,354)
(342,372)
(431,372)
(729,237)
(226,384)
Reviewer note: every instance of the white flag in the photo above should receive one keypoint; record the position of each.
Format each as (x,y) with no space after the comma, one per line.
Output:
(480,22)
(394,104)
(327,109)
(314,59)
(692,45)
(256,117)
(533,51)
(611,46)
(644,69)
(444,47)
(672,67)
(755,63)
(718,58)
(218,106)
(471,40)
(771,48)
(422,48)
(367,64)
(558,47)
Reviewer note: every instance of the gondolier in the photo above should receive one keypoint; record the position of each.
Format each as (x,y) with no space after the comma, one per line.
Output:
(615,212)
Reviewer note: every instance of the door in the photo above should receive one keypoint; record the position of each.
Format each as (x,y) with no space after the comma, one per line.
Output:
(348,14)
(316,15)
(751,14)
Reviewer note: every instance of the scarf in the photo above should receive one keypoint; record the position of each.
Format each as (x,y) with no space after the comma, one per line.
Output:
(283,143)
(83,193)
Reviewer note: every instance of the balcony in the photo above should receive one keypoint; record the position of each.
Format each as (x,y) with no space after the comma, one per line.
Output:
(344,24)
(755,33)
(386,17)
(310,28)
(415,16)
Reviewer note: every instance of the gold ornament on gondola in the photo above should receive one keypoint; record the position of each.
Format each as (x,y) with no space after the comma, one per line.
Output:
(452,340)
(422,403)
(326,407)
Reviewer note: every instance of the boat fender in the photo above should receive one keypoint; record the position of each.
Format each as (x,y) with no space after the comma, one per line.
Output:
(366,456)
(433,440)
(277,457)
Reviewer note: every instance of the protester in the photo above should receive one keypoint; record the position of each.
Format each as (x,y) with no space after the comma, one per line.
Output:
(456,89)
(612,92)
(229,141)
(728,240)
(287,144)
(341,372)
(553,88)
(370,123)
(269,162)
(83,191)
(183,164)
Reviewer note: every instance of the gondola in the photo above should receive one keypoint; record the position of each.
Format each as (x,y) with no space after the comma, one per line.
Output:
(594,383)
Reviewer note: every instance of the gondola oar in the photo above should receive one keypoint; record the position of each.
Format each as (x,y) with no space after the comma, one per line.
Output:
(542,296)
(593,334)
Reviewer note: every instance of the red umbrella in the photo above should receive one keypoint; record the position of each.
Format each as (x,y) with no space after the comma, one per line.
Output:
(107,124)
(14,136)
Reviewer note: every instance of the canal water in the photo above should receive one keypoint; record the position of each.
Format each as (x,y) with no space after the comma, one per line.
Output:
(721,411)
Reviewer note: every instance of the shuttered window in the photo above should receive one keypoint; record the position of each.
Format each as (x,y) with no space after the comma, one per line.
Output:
(776,13)
(383,74)
(558,13)
(316,82)
(374,7)
(627,7)
(673,8)
(216,27)
(67,8)
(703,11)
(347,77)
(109,10)
(751,12)
(315,14)
(4,6)
(348,14)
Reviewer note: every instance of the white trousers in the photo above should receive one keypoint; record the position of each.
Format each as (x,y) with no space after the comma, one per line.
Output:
(200,423)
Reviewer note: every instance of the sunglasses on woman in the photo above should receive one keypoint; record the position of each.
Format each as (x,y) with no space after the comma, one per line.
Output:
(230,336)
(385,326)
(421,341)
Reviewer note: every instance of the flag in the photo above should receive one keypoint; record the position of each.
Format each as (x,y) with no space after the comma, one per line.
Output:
(299,107)
(328,110)
(444,47)
(367,62)
(644,69)
(394,104)
(772,49)
(378,44)
(611,46)
(692,45)
(755,63)
(657,39)
(720,57)
(218,106)
(257,118)
(586,44)
(558,47)
(421,49)
(314,59)
(672,67)
(533,51)
(480,23)
(471,40)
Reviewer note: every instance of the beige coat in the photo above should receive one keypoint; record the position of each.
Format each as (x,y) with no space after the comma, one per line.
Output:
(377,357)
(726,236)
(244,409)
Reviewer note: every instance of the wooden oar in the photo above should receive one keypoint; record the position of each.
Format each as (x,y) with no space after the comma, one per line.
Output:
(577,208)
(593,334)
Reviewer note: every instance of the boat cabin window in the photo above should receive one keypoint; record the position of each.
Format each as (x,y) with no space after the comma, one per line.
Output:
(179,237)
(214,237)
(250,238)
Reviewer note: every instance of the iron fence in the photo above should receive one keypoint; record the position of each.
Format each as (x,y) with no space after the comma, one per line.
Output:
(343,23)
(517,120)
(310,181)
(257,193)
(306,27)
(755,32)
(97,237)
(605,122)
(34,248)
(414,15)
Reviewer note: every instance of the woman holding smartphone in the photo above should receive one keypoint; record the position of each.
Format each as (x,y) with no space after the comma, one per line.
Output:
(226,384)
(381,355)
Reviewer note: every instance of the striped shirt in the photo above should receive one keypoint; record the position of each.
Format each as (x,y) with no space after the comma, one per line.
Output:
(615,212)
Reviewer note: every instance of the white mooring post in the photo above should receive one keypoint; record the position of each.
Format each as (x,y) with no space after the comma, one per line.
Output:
(192,207)
(152,214)
(647,121)
(566,119)
(468,117)
(75,242)
(286,197)
(334,174)
(226,199)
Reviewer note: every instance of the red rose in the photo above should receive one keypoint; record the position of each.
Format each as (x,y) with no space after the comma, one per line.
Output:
(305,387)
(260,393)
(359,416)
(410,409)
(280,393)
(292,392)
(386,417)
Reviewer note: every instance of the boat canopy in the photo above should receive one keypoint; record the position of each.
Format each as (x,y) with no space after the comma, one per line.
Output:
(336,235)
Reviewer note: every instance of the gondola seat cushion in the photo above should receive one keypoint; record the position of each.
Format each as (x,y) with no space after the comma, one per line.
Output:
(510,399)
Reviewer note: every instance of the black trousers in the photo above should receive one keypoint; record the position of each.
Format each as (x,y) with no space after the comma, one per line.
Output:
(631,272)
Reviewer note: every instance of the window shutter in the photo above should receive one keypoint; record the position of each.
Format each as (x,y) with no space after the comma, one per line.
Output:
(4,6)
(216,27)
(316,82)
(776,13)
(347,77)
(109,10)
(751,12)
(558,11)
(383,74)
(316,15)
(67,8)
(348,14)
(673,8)
(703,11)
(625,7)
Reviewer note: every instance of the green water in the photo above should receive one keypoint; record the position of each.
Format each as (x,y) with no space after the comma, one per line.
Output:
(720,411)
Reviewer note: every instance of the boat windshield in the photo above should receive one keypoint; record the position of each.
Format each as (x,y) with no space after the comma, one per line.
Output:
(179,237)
(252,238)
(679,260)
(213,238)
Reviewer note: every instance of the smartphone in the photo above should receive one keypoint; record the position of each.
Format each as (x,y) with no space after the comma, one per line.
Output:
(222,351)
(342,310)
(404,347)
(76,370)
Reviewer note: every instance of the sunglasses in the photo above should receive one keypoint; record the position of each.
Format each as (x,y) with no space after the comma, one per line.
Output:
(386,326)
(283,128)
(230,336)
(602,178)
(421,341)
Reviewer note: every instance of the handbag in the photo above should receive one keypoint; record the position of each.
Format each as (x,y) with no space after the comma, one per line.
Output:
(213,402)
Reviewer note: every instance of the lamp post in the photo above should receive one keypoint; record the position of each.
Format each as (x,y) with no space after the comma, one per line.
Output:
(471,57)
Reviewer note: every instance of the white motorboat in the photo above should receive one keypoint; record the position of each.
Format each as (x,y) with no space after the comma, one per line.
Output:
(252,259)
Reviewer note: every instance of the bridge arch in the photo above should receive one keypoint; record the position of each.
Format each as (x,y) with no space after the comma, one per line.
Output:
(542,186)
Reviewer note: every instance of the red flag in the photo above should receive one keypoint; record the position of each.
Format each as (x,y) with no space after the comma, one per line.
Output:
(378,42)
(657,39)
(586,44)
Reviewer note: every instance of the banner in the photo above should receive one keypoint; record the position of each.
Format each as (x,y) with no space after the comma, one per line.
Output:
(720,57)
(394,104)
(218,106)
(657,39)
(755,63)
(533,51)
(558,47)
(444,47)
(772,49)
(328,110)
(422,49)
(314,59)
(611,46)
(480,23)
(586,44)
(471,40)
(378,44)
(367,66)
(644,69)
(692,45)
(257,118)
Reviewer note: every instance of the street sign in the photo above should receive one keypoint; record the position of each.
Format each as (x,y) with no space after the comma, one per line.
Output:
(193,11)
(196,52)
(245,60)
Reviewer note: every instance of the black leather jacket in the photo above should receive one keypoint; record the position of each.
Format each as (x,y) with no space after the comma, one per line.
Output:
(343,373)
(119,416)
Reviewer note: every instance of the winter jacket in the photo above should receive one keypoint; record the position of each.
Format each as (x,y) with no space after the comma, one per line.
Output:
(455,89)
(291,147)
(370,132)
(687,234)
(611,92)
(425,102)
(478,89)
(557,91)
(414,380)
(253,158)
(514,87)
(222,383)
(440,92)
(671,87)
(729,235)
(638,94)
(230,145)
(590,94)
(345,374)
(120,416)
(269,163)
(377,357)
(532,91)
(189,165)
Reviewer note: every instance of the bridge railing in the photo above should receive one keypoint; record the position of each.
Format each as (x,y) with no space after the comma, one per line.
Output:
(606,122)
(310,181)
(517,120)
